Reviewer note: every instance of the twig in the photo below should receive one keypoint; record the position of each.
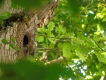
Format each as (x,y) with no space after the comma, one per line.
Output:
(98,45)
(45,35)
(86,7)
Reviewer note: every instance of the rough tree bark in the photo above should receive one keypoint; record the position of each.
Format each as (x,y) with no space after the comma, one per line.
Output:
(22,31)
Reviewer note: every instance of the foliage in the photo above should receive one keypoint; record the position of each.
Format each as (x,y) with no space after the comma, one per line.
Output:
(32,71)
(78,34)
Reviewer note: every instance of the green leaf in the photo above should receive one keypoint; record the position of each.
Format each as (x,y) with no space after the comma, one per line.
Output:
(13,39)
(101,57)
(80,55)
(51,40)
(51,26)
(96,38)
(78,40)
(4,41)
(14,47)
(40,38)
(60,29)
(41,30)
(5,15)
(51,45)
(89,42)
(70,35)
(60,45)
(66,50)
(83,49)
(81,78)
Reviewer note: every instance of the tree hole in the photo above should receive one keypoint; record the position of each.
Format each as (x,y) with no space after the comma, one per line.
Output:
(25,40)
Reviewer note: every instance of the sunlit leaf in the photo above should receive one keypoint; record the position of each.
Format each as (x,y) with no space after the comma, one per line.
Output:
(51,25)
(60,29)
(51,40)
(99,15)
(66,50)
(40,38)
(98,30)
(42,30)
(60,45)
(89,42)
(101,57)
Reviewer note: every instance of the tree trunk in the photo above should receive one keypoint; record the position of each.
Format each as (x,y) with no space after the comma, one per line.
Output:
(21,33)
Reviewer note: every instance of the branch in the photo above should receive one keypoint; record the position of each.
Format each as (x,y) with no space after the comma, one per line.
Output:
(44,56)
(60,59)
